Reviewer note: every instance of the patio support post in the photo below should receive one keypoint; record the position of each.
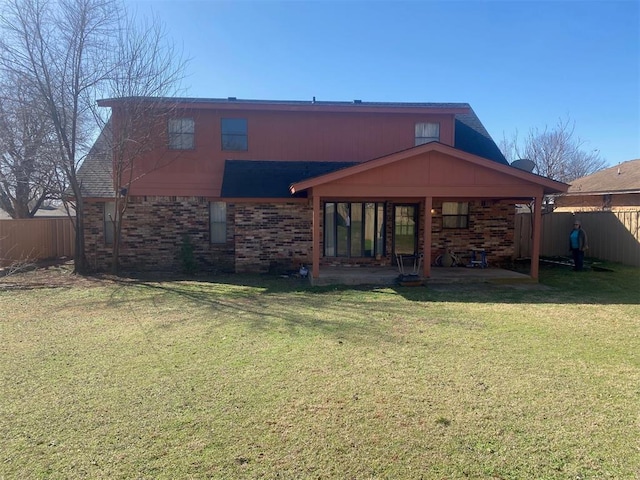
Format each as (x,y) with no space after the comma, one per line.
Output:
(315,251)
(536,236)
(426,247)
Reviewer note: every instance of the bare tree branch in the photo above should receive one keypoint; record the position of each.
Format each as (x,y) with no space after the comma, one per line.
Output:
(71,52)
(557,152)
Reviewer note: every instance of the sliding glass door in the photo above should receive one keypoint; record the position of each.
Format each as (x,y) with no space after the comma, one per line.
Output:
(353,229)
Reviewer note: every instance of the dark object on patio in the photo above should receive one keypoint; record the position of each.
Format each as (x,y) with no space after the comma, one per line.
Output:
(410,281)
(409,268)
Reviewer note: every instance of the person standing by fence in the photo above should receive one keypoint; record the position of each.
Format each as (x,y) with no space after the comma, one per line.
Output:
(578,244)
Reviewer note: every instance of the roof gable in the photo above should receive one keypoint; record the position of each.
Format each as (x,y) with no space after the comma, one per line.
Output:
(446,169)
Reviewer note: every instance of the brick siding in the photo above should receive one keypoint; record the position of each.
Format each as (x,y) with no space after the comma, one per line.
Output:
(153,233)
(270,237)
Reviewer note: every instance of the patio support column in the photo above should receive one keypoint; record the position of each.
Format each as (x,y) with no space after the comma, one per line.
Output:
(536,237)
(315,251)
(426,247)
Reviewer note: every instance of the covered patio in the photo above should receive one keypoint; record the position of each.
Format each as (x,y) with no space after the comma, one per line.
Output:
(426,178)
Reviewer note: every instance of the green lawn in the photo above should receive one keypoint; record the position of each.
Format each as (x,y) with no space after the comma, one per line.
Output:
(262,377)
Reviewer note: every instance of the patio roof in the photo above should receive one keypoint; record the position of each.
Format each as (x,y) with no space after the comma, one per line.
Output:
(434,169)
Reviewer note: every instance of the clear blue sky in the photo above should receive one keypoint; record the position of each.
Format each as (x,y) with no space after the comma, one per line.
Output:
(519,64)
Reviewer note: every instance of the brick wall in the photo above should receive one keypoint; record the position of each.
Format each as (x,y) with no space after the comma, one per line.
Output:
(263,237)
(272,236)
(491,226)
(153,233)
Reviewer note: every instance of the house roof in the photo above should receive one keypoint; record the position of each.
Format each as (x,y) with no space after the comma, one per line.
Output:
(299,105)
(623,178)
(472,137)
(270,179)
(95,174)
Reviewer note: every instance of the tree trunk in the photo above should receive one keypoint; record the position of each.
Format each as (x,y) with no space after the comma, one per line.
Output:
(80,264)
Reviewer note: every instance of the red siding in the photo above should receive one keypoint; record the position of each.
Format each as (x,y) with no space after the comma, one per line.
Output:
(275,135)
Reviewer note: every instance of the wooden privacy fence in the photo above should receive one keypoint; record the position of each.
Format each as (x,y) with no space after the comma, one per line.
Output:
(612,236)
(35,239)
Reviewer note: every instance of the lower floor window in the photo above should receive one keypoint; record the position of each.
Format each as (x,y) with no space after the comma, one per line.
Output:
(353,229)
(455,214)
(218,222)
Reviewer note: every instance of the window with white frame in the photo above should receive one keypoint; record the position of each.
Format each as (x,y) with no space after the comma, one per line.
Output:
(109,222)
(455,214)
(181,133)
(218,222)
(427,132)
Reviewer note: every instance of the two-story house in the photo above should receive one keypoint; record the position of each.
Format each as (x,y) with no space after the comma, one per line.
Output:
(256,185)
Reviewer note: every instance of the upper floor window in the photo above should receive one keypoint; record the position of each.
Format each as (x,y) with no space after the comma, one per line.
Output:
(181,133)
(234,134)
(427,132)
(455,214)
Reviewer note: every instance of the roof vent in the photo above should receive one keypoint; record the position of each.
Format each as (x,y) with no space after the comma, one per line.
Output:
(357,101)
(231,98)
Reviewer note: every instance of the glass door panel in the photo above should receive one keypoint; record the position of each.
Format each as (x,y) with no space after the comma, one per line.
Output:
(405,229)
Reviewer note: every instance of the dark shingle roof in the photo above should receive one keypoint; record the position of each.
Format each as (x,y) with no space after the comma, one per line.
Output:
(95,173)
(270,179)
(187,101)
(472,137)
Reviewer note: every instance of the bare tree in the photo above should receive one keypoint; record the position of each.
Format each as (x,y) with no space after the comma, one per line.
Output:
(557,153)
(72,52)
(28,171)
(149,72)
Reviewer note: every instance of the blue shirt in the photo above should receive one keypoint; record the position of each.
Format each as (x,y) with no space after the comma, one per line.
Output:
(575,238)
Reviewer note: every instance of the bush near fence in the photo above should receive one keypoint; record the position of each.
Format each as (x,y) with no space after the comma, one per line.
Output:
(35,239)
(612,236)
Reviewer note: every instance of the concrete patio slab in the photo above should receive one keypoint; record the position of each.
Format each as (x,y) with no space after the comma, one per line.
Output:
(439,275)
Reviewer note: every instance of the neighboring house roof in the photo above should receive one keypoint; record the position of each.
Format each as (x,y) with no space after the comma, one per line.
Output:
(270,179)
(95,174)
(43,212)
(623,178)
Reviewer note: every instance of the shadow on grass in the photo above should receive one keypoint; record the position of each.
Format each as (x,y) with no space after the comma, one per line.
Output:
(618,284)
(267,305)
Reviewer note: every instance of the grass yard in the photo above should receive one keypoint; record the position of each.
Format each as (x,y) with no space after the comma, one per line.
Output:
(261,377)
